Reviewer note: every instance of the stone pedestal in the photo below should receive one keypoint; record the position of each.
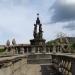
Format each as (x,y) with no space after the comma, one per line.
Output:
(37,42)
(33,50)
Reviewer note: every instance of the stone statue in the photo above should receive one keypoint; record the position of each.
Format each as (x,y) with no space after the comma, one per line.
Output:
(38,35)
(35,31)
(37,21)
(40,31)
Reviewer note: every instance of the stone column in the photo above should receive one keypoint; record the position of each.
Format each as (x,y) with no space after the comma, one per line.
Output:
(48,49)
(11,51)
(22,50)
(16,50)
(58,48)
(61,47)
(33,50)
(54,49)
(44,49)
(27,50)
(38,49)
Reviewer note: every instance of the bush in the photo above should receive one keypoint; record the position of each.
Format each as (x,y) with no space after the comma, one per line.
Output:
(73,48)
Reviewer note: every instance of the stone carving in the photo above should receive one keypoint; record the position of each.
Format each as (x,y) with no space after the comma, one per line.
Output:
(38,35)
(38,43)
(38,21)
(35,31)
(40,31)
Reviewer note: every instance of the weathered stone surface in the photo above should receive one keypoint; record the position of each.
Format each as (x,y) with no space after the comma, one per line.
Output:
(19,67)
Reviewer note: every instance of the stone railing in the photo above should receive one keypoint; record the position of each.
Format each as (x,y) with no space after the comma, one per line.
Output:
(64,63)
(13,65)
(26,49)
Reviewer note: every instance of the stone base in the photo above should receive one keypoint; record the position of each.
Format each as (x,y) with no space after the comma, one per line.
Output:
(37,41)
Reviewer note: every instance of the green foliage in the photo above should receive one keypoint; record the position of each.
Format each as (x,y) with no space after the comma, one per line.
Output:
(73,45)
(51,42)
(2,50)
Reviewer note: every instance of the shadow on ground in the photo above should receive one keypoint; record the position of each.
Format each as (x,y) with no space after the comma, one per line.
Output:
(49,70)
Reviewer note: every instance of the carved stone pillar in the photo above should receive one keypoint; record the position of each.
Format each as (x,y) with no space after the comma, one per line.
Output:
(33,50)
(12,51)
(58,48)
(44,49)
(38,49)
(48,49)
(22,50)
(54,49)
(27,50)
(61,47)
(16,50)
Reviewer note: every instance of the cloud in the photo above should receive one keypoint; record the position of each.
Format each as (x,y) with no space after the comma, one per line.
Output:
(70,26)
(62,12)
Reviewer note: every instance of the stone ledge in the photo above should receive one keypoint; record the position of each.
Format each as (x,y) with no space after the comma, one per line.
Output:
(7,61)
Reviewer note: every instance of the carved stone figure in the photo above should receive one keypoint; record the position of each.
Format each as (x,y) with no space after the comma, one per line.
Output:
(40,31)
(35,31)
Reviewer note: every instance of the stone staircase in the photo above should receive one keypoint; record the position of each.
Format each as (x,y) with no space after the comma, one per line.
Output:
(39,59)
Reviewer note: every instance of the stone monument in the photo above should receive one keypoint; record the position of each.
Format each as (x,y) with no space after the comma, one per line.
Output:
(38,43)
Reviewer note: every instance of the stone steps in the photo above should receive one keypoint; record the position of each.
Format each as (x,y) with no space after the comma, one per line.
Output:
(39,59)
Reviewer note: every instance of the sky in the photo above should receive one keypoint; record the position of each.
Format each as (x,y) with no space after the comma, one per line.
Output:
(17,18)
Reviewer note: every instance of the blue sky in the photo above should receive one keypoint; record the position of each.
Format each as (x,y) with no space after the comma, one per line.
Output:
(17,18)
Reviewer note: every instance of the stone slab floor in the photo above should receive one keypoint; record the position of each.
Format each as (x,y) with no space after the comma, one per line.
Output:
(32,69)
